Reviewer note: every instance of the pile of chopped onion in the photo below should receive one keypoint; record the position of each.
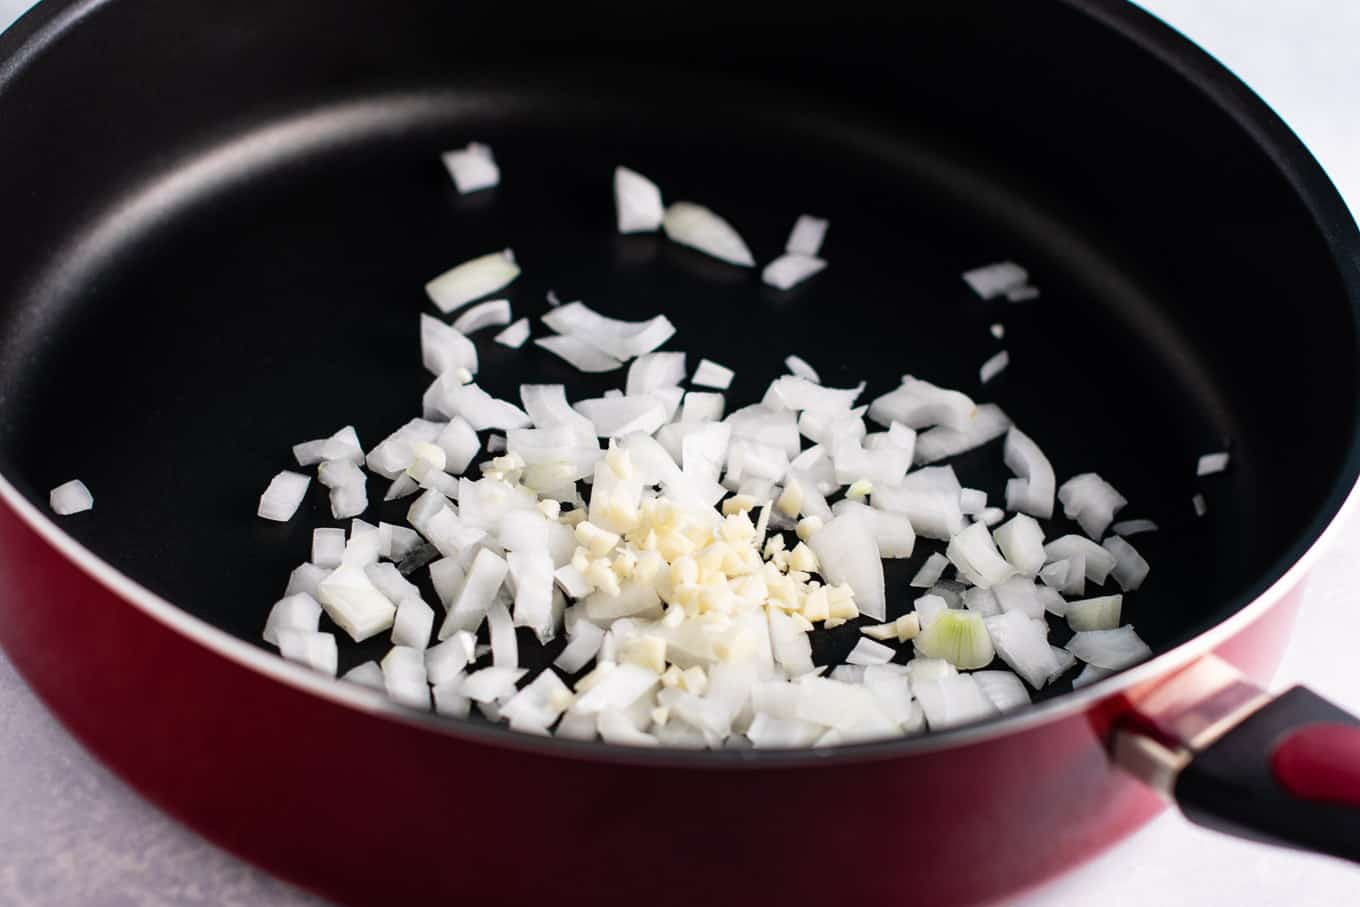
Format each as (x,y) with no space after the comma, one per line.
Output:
(677,551)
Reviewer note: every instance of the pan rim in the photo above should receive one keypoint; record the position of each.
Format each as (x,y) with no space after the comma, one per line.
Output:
(44,24)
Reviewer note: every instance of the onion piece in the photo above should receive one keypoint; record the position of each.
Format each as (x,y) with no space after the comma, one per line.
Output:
(1020,593)
(868,652)
(919,404)
(472,168)
(1022,294)
(1130,569)
(791,646)
(493,684)
(988,423)
(1201,506)
(367,674)
(353,602)
(1095,562)
(991,281)
(617,689)
(444,349)
(73,497)
(404,677)
(535,707)
(393,455)
(305,578)
(959,637)
(1212,463)
(637,202)
(702,406)
(930,571)
(994,366)
(1109,649)
(616,417)
(789,270)
(848,553)
(927,608)
(1032,493)
(515,335)
(972,501)
(1101,613)
(413,624)
(472,280)
(477,593)
(328,547)
(343,445)
(983,601)
(620,339)
(1089,675)
(1021,541)
(951,701)
(445,661)
(292,612)
(1127,528)
(492,313)
(480,409)
(766,732)
(892,531)
(504,646)
(279,501)
(974,553)
(315,650)
(998,330)
(1022,643)
(653,371)
(585,641)
(1002,688)
(807,235)
(929,498)
(531,572)
(711,374)
(800,367)
(699,228)
(1091,501)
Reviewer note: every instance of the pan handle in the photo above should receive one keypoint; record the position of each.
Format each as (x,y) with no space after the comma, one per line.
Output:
(1279,769)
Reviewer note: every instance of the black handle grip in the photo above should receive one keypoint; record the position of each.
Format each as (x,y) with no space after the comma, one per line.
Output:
(1289,774)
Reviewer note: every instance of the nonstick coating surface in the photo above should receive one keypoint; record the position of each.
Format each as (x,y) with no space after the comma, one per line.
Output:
(260,284)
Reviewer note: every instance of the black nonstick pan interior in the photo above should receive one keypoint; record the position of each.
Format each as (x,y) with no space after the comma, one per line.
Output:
(224,235)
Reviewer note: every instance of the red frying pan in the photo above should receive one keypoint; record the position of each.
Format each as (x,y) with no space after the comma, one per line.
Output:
(227,210)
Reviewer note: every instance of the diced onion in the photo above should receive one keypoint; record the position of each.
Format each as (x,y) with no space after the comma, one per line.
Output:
(799,366)
(1100,613)
(1211,463)
(515,335)
(807,235)
(959,637)
(1130,569)
(930,571)
(789,270)
(699,228)
(292,612)
(620,339)
(868,652)
(1032,493)
(279,501)
(73,497)
(1133,527)
(994,366)
(637,202)
(988,423)
(1109,649)
(711,374)
(472,168)
(991,281)
(919,404)
(315,650)
(1091,501)
(472,280)
(492,313)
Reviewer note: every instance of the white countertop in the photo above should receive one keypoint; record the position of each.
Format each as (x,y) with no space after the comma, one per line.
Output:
(72,834)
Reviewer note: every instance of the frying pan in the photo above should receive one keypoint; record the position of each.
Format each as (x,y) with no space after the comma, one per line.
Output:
(221,217)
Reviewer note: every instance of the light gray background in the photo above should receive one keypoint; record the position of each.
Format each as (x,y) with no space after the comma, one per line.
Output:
(72,834)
